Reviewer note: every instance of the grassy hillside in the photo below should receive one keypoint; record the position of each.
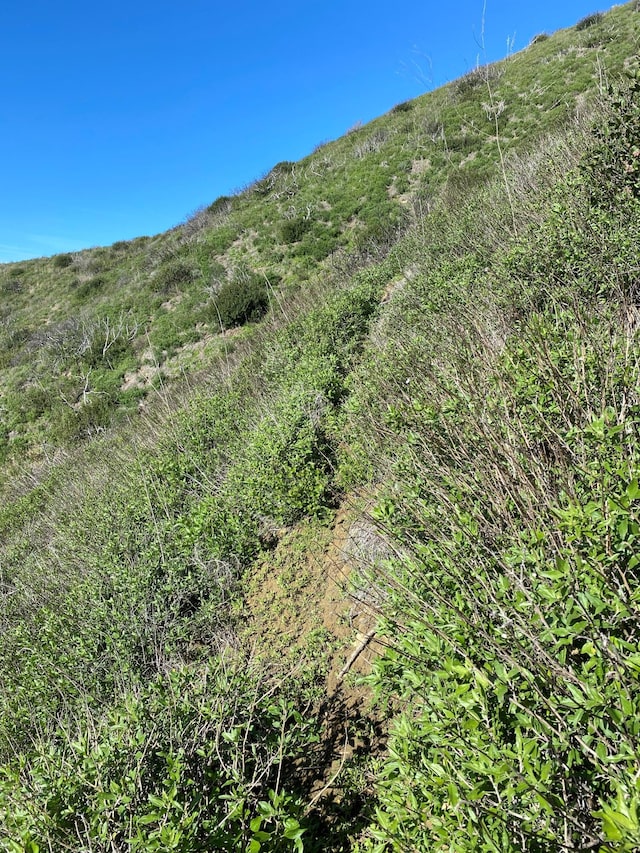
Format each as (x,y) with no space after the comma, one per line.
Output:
(377,413)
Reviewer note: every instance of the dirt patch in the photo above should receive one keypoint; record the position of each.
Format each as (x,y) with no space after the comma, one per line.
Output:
(307,590)
(419,167)
(468,159)
(347,610)
(141,378)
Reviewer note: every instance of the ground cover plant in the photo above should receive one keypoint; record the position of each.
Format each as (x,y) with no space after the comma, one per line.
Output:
(429,326)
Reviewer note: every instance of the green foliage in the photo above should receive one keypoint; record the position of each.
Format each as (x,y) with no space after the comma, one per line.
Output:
(173,275)
(286,473)
(479,77)
(403,107)
(219,240)
(244,299)
(514,504)
(612,166)
(82,421)
(540,37)
(222,205)
(589,21)
(63,261)
(90,287)
(487,411)
(292,230)
(178,767)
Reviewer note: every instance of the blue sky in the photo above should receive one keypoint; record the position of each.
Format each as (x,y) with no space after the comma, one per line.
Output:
(119,119)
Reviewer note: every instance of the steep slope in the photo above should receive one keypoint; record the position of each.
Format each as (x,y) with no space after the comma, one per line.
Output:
(408,364)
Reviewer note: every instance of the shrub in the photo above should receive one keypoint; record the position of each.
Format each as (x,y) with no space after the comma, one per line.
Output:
(11,285)
(221,205)
(90,286)
(371,144)
(73,425)
(403,107)
(317,244)
(292,230)
(172,275)
(62,261)
(540,37)
(476,78)
(35,400)
(195,223)
(219,240)
(283,167)
(263,186)
(589,21)
(612,167)
(161,774)
(240,301)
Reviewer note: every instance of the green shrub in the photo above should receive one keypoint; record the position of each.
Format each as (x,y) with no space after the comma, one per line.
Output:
(477,78)
(292,230)
(34,401)
(62,261)
(539,38)
(612,166)
(192,763)
(89,287)
(316,246)
(221,206)
(589,21)
(74,424)
(242,300)
(404,107)
(12,284)
(220,238)
(173,275)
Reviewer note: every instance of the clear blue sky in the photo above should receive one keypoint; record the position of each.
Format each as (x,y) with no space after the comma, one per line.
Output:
(121,118)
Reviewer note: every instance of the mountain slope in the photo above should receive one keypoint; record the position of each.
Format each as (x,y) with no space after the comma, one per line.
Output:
(442,357)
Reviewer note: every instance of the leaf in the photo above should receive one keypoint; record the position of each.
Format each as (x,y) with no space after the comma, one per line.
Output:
(633,490)
(546,805)
(611,831)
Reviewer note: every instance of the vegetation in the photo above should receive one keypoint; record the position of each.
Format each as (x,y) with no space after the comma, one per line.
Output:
(375,414)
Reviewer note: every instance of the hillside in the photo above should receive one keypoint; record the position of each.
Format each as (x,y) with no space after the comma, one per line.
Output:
(376,414)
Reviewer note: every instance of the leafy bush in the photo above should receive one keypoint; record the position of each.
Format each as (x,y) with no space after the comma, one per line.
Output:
(221,206)
(476,78)
(219,240)
(244,299)
(293,230)
(34,401)
(88,288)
(612,166)
(84,421)
(589,21)
(540,37)
(194,763)
(516,613)
(513,514)
(62,261)
(403,107)
(173,275)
